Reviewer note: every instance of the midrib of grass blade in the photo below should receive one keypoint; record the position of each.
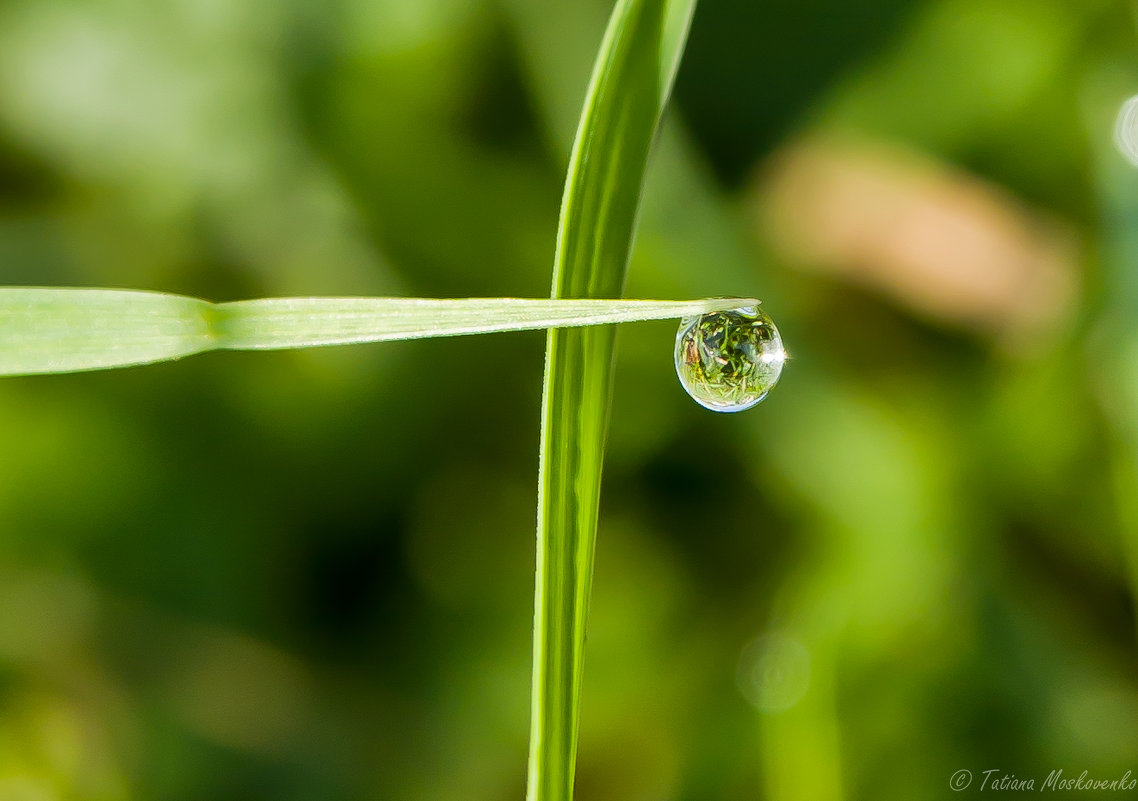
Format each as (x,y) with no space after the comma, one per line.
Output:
(48,330)
(626,96)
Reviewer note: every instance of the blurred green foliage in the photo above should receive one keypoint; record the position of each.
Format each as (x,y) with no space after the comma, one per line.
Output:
(309,575)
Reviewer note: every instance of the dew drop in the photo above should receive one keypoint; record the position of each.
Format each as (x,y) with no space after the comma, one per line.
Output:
(728,361)
(1126,130)
(774,671)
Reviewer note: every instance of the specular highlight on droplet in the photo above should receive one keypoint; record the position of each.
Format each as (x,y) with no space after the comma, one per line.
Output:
(729,361)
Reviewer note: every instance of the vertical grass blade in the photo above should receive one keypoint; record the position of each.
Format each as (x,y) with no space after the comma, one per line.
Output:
(630,84)
(1115,340)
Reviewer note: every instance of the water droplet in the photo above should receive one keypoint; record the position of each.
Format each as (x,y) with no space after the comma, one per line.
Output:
(728,361)
(1126,130)
(774,671)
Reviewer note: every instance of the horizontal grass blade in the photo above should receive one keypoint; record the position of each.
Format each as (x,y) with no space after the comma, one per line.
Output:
(630,84)
(64,330)
(47,330)
(304,322)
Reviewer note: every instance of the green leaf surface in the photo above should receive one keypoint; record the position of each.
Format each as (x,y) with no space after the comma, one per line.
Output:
(46,330)
(630,84)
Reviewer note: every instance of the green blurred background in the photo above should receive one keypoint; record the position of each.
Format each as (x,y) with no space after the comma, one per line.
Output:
(309,575)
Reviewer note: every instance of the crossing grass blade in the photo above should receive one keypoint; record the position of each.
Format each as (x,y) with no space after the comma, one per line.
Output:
(45,330)
(631,81)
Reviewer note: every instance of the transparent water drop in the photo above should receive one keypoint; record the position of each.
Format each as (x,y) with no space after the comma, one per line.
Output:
(728,361)
(774,671)
(1126,131)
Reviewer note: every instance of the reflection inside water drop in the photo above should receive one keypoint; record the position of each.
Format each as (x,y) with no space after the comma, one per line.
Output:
(728,361)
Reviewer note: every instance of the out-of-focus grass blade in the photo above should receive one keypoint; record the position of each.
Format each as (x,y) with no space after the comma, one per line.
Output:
(46,330)
(630,84)
(1116,336)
